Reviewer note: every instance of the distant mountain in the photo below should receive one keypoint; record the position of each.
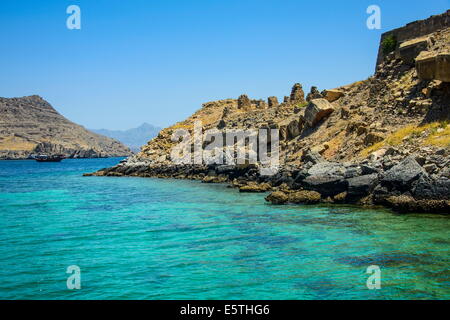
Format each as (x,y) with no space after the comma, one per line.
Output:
(134,138)
(30,125)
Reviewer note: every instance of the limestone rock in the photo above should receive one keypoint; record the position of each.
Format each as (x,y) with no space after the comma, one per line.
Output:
(317,110)
(291,128)
(433,66)
(409,50)
(333,95)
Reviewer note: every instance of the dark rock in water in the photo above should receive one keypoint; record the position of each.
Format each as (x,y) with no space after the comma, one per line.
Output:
(362,185)
(390,259)
(427,188)
(326,185)
(403,174)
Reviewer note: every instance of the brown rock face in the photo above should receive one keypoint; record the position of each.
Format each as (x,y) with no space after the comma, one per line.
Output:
(273,102)
(244,102)
(409,50)
(433,66)
(333,95)
(297,94)
(303,196)
(261,104)
(317,110)
(30,125)
(277,197)
(291,128)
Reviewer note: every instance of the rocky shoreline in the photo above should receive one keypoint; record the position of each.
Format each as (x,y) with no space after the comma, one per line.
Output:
(380,141)
(411,184)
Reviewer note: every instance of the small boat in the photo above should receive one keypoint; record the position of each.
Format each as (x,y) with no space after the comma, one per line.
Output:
(46,158)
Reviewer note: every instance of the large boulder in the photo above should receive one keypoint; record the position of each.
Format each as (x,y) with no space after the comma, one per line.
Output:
(317,110)
(326,185)
(435,189)
(277,197)
(362,185)
(332,95)
(327,168)
(433,66)
(401,176)
(291,128)
(409,50)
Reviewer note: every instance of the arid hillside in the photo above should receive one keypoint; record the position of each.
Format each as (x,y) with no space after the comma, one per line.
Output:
(30,125)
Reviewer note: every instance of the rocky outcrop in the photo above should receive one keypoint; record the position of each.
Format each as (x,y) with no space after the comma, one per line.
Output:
(433,66)
(317,110)
(409,50)
(297,94)
(244,102)
(30,125)
(313,94)
(272,102)
(332,95)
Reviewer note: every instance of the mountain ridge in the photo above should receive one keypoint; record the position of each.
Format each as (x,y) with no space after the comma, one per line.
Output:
(134,138)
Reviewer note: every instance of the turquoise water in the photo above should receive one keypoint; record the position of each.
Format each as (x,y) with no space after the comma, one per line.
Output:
(136,238)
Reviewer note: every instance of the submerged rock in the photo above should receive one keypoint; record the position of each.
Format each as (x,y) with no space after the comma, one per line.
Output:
(277,197)
(303,196)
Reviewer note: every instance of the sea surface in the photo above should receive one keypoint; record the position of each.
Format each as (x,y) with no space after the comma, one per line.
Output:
(138,238)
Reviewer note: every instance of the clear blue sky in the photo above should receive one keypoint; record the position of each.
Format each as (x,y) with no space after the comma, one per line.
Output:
(158,61)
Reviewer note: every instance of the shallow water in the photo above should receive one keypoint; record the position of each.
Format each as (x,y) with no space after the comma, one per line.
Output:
(136,238)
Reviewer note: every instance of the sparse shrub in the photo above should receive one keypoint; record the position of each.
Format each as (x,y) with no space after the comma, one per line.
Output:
(389,44)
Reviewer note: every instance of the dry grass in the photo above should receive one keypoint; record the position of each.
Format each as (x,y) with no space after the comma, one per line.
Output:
(14,143)
(438,134)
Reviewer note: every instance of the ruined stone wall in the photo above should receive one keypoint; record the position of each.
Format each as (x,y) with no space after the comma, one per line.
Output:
(415,29)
